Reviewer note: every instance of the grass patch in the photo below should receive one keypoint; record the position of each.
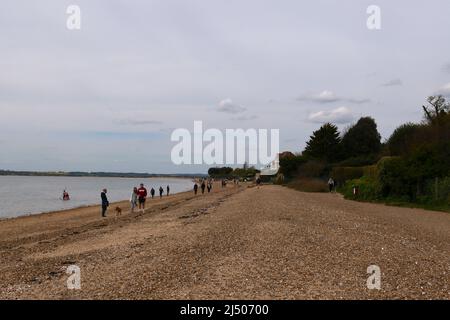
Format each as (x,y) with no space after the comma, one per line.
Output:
(396,202)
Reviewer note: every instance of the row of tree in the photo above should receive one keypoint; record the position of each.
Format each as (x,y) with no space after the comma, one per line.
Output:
(360,140)
(230,173)
(413,154)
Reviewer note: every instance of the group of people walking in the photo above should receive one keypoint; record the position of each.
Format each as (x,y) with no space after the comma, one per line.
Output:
(204,184)
(137,199)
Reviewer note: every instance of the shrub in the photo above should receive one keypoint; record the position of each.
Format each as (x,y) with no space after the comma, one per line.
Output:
(368,189)
(438,190)
(393,178)
(359,161)
(289,164)
(342,174)
(313,169)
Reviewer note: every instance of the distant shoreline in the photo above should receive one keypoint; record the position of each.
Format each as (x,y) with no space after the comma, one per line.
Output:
(99,174)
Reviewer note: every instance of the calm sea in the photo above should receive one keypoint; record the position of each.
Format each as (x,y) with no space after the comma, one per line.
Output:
(20,195)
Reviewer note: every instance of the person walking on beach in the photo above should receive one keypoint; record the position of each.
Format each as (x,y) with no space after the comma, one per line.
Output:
(152,192)
(195,188)
(203,186)
(168,190)
(331,184)
(105,202)
(142,195)
(258,182)
(134,199)
(161,191)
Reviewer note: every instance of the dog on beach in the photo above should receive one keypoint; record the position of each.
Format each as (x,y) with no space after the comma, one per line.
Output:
(118,211)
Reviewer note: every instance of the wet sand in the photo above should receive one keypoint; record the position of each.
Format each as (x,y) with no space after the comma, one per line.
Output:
(235,243)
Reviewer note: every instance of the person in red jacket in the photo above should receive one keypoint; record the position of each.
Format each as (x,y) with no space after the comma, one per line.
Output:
(142,195)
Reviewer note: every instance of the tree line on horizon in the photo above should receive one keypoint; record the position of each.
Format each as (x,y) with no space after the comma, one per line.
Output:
(230,173)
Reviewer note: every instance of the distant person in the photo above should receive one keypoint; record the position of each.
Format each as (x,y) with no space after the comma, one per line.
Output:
(203,186)
(65,195)
(152,192)
(134,199)
(161,191)
(142,196)
(105,202)
(168,190)
(331,184)
(258,181)
(195,188)
(209,187)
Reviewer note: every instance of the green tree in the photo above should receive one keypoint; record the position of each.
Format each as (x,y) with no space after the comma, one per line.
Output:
(289,164)
(361,139)
(324,144)
(438,110)
(405,138)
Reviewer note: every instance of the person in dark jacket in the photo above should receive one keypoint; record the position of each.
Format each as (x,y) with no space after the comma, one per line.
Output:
(203,186)
(105,202)
(152,192)
(195,188)
(161,191)
(168,190)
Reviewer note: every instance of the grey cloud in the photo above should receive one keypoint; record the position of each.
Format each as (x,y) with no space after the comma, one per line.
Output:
(392,83)
(322,97)
(357,101)
(228,106)
(327,96)
(245,118)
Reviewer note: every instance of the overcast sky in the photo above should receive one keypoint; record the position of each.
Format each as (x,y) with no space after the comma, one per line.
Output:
(108,96)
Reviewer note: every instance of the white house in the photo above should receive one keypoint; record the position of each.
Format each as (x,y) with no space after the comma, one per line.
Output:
(272,168)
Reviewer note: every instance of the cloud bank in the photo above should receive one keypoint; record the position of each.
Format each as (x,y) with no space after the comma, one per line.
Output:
(340,115)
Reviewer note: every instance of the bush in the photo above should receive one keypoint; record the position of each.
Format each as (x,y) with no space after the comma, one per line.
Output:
(289,164)
(342,174)
(394,179)
(313,169)
(405,138)
(438,191)
(368,189)
(359,161)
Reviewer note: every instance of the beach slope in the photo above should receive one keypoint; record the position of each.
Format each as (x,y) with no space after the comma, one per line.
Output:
(235,243)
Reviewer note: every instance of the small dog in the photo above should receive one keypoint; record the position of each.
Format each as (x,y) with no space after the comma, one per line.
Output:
(118,211)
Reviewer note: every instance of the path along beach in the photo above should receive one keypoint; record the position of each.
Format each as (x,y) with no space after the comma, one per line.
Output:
(240,242)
